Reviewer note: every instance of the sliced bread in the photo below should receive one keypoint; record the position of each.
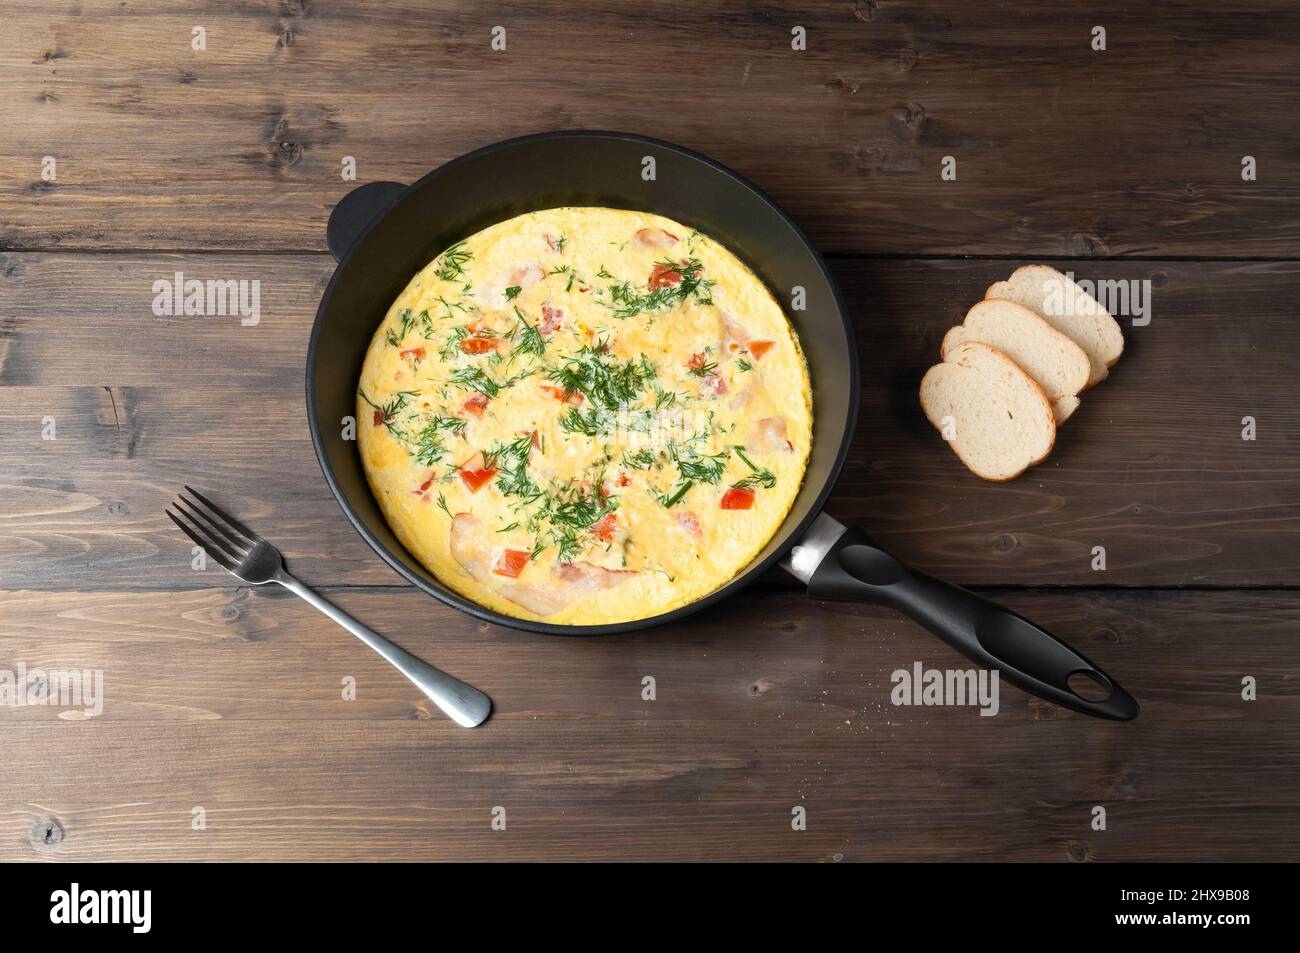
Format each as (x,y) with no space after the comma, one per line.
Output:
(996,417)
(1069,309)
(1056,363)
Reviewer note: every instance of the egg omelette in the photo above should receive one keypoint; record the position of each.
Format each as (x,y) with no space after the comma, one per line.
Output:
(585,416)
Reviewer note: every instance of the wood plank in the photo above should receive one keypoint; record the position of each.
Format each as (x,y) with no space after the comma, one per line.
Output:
(1060,149)
(1153,467)
(211,699)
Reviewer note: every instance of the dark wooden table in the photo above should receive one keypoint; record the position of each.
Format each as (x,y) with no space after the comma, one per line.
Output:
(224,163)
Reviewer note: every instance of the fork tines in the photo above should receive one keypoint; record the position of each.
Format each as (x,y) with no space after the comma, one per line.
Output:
(219,534)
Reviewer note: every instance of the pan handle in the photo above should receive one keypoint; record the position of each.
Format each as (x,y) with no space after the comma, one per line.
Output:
(355,211)
(855,568)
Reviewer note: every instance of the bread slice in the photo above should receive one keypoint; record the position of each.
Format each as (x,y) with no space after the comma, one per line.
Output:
(1069,309)
(1001,422)
(1057,364)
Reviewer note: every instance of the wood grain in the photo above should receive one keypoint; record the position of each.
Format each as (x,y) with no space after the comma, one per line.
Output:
(213,699)
(1060,149)
(1122,164)
(1153,467)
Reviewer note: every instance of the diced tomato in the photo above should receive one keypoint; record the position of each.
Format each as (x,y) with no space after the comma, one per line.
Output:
(559,393)
(424,487)
(379,418)
(759,348)
(477,477)
(664,276)
(551,318)
(478,345)
(696,362)
(537,440)
(738,498)
(476,404)
(412,352)
(711,385)
(512,563)
(605,527)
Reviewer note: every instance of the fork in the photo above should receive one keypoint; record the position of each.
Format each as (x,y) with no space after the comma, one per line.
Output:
(242,553)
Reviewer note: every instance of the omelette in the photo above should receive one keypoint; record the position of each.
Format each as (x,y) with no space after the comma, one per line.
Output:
(585,416)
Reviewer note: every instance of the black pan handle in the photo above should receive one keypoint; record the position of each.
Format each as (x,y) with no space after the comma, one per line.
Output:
(1029,657)
(355,211)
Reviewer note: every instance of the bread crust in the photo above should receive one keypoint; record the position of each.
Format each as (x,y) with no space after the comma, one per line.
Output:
(1049,417)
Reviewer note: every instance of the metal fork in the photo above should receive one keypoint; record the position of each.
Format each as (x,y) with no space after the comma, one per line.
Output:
(241,552)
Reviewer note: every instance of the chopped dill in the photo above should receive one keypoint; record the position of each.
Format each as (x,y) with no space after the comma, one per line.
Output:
(759,476)
(451,264)
(405,321)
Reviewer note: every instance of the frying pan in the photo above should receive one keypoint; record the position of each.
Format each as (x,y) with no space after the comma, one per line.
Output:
(382,233)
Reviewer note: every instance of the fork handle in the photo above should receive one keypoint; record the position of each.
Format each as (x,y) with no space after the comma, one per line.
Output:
(464,704)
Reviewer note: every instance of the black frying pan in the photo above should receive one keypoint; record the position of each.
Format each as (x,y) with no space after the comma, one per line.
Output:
(383,233)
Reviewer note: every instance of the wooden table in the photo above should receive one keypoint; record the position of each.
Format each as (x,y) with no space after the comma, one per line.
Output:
(1123,163)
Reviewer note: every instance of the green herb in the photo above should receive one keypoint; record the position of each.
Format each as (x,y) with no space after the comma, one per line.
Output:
(758,476)
(704,369)
(474,378)
(626,302)
(452,347)
(427,445)
(671,500)
(603,273)
(530,338)
(389,411)
(405,321)
(602,378)
(513,292)
(643,459)
(426,324)
(511,461)
(442,504)
(564,270)
(451,264)
(744,365)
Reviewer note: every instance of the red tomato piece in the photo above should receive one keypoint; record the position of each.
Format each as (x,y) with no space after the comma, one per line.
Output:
(415,352)
(738,498)
(605,527)
(664,276)
(476,404)
(476,478)
(379,418)
(512,563)
(478,345)
(559,393)
(759,348)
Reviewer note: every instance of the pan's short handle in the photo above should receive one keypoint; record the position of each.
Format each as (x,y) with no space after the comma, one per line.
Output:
(355,211)
(1026,655)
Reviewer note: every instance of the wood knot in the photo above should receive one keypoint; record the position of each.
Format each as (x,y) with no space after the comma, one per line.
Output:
(284,39)
(907,59)
(228,613)
(835,83)
(1078,851)
(47,832)
(759,686)
(118,508)
(913,115)
(1005,543)
(865,10)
